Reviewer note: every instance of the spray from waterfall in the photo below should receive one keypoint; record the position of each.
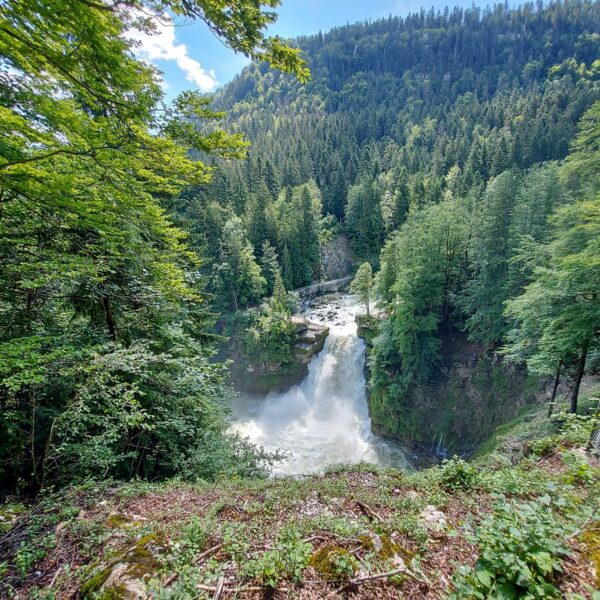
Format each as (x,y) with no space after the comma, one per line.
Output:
(324,420)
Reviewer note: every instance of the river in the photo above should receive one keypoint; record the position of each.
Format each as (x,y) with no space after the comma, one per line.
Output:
(325,420)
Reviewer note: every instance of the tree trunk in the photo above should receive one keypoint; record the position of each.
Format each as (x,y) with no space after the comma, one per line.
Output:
(368,309)
(579,375)
(110,320)
(555,388)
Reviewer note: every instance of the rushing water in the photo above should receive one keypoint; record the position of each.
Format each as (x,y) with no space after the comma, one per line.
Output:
(324,420)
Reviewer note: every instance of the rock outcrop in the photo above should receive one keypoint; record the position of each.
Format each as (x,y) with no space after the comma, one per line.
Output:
(337,258)
(310,339)
(281,376)
(473,393)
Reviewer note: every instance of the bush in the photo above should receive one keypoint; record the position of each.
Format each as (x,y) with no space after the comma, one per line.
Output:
(579,471)
(520,552)
(576,429)
(545,446)
(271,339)
(458,475)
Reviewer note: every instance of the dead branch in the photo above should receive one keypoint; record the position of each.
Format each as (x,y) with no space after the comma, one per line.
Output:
(368,511)
(208,552)
(250,588)
(403,570)
(219,590)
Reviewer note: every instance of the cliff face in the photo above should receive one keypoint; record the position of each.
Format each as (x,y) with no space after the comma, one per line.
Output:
(337,259)
(473,393)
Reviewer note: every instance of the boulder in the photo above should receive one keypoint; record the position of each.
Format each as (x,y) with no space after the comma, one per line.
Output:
(125,576)
(433,519)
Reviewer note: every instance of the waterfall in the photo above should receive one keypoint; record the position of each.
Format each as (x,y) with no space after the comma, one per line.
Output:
(324,420)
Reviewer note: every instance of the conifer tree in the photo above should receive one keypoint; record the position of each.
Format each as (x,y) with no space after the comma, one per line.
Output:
(238,272)
(362,285)
(270,267)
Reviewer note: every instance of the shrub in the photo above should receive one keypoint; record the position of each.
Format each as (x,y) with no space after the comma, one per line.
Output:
(579,471)
(576,429)
(520,552)
(288,559)
(458,475)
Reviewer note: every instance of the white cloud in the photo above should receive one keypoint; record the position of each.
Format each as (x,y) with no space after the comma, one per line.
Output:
(162,45)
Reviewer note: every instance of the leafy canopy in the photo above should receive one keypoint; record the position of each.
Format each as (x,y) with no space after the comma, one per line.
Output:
(100,294)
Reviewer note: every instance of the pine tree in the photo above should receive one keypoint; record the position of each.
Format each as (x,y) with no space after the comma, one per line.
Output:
(271,179)
(279,299)
(269,263)
(364,220)
(238,272)
(308,237)
(362,285)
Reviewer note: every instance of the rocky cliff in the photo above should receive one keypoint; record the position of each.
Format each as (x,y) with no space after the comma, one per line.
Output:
(254,376)
(473,393)
(337,259)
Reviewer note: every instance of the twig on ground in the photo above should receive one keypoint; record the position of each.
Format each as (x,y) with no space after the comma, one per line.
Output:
(219,590)
(169,580)
(249,588)
(55,577)
(369,512)
(403,570)
(208,552)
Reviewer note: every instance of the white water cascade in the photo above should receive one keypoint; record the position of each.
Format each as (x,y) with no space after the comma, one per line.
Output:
(323,421)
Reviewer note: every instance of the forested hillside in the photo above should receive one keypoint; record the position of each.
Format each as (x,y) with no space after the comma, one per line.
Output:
(405,109)
(437,143)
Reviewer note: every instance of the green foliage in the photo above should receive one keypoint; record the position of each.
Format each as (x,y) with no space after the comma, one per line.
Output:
(579,470)
(568,430)
(574,429)
(334,562)
(422,267)
(458,475)
(287,559)
(271,339)
(298,216)
(521,547)
(557,317)
(103,360)
(238,274)
(362,285)
(443,153)
(364,220)
(546,445)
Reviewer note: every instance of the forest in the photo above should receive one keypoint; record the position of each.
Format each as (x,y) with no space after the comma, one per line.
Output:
(458,151)
(462,163)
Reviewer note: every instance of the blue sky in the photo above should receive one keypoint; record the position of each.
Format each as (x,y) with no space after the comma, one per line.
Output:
(191,57)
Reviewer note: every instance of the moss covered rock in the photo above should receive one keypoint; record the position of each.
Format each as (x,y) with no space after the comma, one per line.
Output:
(333,562)
(591,541)
(125,575)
